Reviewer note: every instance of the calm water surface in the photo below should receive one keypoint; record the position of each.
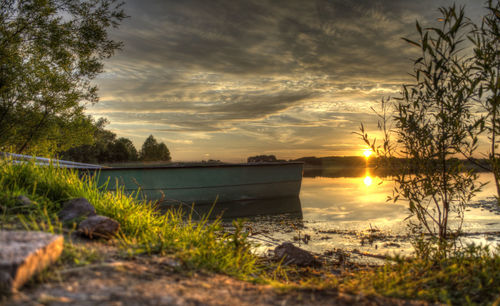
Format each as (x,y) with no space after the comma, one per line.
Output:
(351,213)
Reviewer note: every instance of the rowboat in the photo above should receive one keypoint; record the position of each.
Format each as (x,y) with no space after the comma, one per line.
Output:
(203,183)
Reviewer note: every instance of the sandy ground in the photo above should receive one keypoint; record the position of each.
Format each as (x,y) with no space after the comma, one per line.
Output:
(154,281)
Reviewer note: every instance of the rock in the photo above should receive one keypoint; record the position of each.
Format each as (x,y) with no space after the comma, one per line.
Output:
(99,226)
(167,261)
(24,200)
(294,255)
(76,208)
(22,254)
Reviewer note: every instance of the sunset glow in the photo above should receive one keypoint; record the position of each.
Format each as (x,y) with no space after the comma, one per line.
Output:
(368,181)
(367,153)
(288,78)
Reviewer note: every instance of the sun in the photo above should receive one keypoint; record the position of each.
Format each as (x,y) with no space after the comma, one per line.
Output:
(367,153)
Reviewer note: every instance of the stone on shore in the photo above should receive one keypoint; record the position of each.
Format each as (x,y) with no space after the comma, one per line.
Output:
(76,208)
(294,255)
(99,227)
(24,201)
(22,254)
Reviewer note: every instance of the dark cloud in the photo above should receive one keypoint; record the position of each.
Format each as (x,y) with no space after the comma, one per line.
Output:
(293,76)
(245,37)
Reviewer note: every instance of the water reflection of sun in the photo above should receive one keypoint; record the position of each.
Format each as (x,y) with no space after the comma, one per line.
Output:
(368,180)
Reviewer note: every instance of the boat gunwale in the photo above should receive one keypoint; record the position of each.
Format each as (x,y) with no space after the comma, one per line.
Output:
(188,166)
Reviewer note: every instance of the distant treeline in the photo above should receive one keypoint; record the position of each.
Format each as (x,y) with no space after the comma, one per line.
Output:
(263,159)
(109,149)
(320,162)
(334,161)
(362,162)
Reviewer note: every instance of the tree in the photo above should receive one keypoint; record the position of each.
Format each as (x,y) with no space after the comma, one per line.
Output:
(262,159)
(123,150)
(486,41)
(154,151)
(105,149)
(429,125)
(50,50)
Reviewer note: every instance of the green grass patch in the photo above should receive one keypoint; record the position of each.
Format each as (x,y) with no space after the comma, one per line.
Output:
(198,244)
(467,276)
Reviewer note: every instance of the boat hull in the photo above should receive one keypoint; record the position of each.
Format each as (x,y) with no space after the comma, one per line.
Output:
(208,183)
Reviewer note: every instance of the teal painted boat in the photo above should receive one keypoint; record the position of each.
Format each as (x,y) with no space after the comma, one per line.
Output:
(202,183)
(206,183)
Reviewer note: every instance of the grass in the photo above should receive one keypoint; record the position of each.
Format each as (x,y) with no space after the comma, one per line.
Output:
(466,276)
(199,245)
(470,275)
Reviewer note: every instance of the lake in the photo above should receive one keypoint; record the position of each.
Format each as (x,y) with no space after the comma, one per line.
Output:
(351,213)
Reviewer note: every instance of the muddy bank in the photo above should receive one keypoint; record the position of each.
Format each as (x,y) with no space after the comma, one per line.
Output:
(155,281)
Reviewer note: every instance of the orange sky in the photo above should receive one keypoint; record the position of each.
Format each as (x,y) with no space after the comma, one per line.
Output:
(230,79)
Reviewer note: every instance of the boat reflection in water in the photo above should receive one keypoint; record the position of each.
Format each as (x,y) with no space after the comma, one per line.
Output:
(289,206)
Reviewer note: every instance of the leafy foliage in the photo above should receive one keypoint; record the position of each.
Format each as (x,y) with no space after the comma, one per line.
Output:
(262,158)
(154,151)
(106,148)
(486,64)
(50,50)
(109,149)
(432,123)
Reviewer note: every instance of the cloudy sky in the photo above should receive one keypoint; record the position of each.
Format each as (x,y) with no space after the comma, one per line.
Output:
(227,79)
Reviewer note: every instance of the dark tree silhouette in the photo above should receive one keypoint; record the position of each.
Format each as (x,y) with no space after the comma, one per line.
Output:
(429,125)
(261,158)
(154,151)
(122,150)
(106,148)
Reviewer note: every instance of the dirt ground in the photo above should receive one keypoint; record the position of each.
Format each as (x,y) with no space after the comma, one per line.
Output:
(154,281)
